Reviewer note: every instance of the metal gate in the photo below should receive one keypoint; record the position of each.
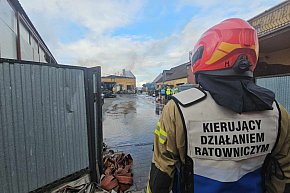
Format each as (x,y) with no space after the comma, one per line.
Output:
(50,125)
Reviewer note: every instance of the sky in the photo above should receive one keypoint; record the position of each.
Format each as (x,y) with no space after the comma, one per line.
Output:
(144,36)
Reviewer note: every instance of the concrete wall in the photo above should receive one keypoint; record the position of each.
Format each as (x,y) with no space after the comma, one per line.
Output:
(277,57)
(273,63)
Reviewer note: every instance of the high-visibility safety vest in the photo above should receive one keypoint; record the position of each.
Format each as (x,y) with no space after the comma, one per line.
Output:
(168,91)
(228,149)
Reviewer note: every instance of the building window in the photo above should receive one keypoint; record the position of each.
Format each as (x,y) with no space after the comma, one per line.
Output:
(41,55)
(35,52)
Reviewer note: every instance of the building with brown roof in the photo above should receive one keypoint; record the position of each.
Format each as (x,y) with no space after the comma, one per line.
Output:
(173,77)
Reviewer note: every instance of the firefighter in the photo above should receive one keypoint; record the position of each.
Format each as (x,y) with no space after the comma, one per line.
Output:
(168,93)
(227,135)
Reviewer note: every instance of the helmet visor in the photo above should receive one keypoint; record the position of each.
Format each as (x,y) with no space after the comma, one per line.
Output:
(196,56)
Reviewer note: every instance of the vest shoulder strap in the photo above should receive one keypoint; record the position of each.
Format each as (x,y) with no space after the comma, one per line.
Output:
(189,97)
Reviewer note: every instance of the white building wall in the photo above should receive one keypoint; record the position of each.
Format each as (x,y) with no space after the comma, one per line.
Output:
(29,46)
(26,48)
(8,30)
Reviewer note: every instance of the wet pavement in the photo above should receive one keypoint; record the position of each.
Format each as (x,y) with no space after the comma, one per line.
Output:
(129,122)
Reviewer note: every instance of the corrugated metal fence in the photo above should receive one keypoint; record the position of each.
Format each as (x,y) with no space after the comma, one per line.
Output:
(280,85)
(43,124)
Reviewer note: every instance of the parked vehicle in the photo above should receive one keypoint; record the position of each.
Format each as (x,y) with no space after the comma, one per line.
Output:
(108,94)
(184,87)
(131,92)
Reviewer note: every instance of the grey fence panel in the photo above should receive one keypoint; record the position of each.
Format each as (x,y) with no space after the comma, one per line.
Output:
(6,181)
(82,120)
(19,124)
(43,125)
(280,85)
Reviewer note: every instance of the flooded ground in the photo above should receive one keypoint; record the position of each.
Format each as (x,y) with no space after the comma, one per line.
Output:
(129,122)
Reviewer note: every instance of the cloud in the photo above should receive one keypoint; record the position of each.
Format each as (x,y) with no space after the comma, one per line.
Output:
(145,56)
(99,16)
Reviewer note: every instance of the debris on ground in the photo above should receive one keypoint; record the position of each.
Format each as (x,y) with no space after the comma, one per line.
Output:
(83,188)
(117,175)
(80,185)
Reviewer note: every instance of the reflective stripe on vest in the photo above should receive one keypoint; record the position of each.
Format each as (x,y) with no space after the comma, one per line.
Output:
(228,149)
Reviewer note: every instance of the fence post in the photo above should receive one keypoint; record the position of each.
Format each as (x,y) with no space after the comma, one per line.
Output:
(89,95)
(98,115)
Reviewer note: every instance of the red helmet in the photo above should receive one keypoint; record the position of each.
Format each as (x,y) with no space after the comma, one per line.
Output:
(229,48)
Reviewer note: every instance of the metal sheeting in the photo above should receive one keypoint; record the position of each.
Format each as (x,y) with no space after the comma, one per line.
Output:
(280,85)
(43,127)
(273,19)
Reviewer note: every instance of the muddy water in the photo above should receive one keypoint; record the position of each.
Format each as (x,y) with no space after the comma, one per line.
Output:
(129,122)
